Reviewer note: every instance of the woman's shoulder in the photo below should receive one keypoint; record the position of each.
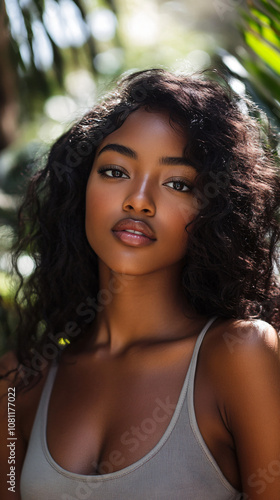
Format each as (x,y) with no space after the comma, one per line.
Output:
(238,353)
(27,392)
(15,373)
(8,370)
(234,350)
(240,337)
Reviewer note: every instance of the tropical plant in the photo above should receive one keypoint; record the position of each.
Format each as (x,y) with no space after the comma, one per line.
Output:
(259,24)
(38,40)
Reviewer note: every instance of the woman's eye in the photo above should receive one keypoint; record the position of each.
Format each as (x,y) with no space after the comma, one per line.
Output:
(115,173)
(178,185)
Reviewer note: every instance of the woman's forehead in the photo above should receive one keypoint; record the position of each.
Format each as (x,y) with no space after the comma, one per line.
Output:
(148,127)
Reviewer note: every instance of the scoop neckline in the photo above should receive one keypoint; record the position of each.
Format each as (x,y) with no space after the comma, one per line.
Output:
(132,467)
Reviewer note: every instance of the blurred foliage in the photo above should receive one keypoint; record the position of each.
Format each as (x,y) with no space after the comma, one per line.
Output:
(256,62)
(57,56)
(260,26)
(40,40)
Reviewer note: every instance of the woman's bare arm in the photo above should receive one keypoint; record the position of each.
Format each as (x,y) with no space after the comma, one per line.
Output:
(246,371)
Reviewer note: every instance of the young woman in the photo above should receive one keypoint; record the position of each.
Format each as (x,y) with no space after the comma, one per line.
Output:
(148,360)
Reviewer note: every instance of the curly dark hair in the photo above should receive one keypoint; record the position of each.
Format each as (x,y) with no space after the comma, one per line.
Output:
(232,250)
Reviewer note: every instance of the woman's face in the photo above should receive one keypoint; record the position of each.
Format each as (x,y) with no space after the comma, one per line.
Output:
(139,196)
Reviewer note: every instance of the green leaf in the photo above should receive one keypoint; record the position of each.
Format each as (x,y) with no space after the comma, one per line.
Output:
(268,54)
(269,7)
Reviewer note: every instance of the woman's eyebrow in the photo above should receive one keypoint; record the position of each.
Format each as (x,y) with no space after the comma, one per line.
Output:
(119,149)
(124,150)
(174,160)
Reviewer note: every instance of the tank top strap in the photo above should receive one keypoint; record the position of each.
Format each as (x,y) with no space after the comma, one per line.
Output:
(46,392)
(191,409)
(193,363)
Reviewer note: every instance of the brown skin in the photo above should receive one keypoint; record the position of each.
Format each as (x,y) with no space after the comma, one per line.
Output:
(142,341)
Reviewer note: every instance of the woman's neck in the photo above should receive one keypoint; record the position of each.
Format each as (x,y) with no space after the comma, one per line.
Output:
(145,308)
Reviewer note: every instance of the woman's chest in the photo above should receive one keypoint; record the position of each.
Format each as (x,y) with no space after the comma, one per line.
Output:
(104,419)
(104,416)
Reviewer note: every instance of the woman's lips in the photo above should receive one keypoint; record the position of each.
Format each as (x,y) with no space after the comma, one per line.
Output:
(134,232)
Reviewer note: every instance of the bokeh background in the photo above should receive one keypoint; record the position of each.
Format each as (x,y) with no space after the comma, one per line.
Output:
(58,56)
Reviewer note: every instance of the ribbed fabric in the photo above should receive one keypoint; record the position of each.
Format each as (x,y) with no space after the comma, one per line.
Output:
(179,467)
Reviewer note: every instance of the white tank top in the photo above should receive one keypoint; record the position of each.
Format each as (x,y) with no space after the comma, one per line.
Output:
(179,467)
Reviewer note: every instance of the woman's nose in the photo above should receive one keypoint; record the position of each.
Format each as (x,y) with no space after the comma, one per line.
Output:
(140,199)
